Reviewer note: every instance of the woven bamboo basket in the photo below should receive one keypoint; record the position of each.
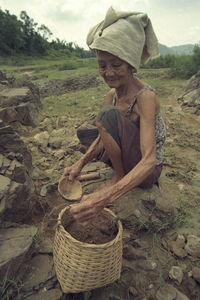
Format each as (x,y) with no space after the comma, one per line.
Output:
(81,266)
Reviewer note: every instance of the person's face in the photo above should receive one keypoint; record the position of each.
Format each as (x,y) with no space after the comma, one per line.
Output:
(114,71)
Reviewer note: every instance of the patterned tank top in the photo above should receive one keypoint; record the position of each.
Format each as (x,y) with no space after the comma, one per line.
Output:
(160,129)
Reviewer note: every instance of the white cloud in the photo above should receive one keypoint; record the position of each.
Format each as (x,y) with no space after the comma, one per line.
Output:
(175,22)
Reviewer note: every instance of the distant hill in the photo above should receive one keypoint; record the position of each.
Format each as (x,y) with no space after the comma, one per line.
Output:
(176,50)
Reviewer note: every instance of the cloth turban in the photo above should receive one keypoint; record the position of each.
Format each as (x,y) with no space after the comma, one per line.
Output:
(127,35)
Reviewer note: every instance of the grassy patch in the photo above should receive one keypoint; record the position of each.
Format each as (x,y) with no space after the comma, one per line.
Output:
(82,104)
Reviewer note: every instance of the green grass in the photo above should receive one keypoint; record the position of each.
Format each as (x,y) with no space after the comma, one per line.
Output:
(81,104)
(6,283)
(56,68)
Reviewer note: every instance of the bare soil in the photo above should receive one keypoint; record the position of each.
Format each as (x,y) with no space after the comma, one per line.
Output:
(181,165)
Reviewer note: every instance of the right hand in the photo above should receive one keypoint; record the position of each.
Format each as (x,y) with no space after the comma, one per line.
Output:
(72,172)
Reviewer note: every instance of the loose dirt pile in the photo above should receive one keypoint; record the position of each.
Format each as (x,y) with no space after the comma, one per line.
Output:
(101,230)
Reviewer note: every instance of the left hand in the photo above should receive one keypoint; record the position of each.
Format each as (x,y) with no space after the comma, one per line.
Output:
(89,207)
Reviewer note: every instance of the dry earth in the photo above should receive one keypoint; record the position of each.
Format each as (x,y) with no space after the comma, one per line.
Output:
(150,257)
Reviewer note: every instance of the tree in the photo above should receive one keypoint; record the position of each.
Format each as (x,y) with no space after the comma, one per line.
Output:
(11,36)
(44,32)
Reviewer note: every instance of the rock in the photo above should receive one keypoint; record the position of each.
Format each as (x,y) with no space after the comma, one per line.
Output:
(19,104)
(42,139)
(196,274)
(46,125)
(133,291)
(55,142)
(156,206)
(193,288)
(193,83)
(16,187)
(191,95)
(4,185)
(168,292)
(181,296)
(44,294)
(59,154)
(178,249)
(180,241)
(129,252)
(193,245)
(15,244)
(46,246)
(58,132)
(148,265)
(39,274)
(11,143)
(4,188)
(176,273)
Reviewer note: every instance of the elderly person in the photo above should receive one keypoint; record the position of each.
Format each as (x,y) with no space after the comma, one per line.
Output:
(131,130)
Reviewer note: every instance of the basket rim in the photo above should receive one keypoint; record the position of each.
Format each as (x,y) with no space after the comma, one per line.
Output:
(88,245)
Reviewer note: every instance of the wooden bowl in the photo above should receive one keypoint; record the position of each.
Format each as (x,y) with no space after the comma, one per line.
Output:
(70,190)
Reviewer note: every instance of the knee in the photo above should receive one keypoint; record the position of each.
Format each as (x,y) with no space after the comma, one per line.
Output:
(107,112)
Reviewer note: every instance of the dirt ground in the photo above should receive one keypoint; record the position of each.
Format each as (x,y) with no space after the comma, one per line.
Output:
(181,165)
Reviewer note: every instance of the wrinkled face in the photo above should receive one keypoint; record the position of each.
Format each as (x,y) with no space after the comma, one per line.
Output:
(114,71)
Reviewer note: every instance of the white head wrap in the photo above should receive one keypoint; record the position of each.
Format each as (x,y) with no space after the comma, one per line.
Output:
(127,35)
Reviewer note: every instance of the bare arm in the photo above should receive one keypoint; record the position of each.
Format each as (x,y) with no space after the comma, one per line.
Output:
(147,111)
(92,152)
(93,203)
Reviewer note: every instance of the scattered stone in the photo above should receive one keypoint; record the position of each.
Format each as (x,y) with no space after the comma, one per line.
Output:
(176,273)
(59,154)
(196,274)
(55,142)
(193,245)
(147,265)
(41,139)
(168,292)
(180,240)
(133,291)
(177,250)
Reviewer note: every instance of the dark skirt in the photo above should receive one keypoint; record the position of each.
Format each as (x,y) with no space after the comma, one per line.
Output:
(126,133)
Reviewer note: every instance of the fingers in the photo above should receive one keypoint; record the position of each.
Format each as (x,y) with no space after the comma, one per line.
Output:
(68,172)
(85,211)
(82,212)
(72,176)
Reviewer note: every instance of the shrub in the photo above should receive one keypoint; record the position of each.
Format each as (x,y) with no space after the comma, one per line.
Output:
(68,66)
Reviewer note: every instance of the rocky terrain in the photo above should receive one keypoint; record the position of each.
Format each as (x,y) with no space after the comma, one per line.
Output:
(161,225)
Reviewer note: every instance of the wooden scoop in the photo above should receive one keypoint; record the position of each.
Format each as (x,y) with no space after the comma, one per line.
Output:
(73,190)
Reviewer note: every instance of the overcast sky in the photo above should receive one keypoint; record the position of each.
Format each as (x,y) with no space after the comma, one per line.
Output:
(175,22)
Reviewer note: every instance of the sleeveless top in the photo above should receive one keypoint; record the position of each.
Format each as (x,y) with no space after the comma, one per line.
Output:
(160,129)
